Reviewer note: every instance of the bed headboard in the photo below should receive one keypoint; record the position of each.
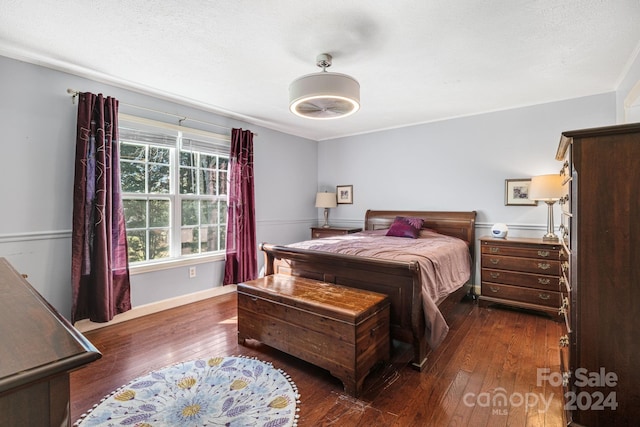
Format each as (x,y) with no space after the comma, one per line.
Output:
(457,224)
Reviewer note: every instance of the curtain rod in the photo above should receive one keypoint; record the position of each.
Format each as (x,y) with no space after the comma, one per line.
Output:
(74,93)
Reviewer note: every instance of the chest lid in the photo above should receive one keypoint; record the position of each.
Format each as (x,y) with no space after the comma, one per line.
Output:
(325,299)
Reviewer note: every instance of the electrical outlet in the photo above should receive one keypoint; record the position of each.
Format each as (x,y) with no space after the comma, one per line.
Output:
(192,272)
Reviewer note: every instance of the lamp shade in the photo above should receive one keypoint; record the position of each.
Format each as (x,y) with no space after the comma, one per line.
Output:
(326,200)
(546,187)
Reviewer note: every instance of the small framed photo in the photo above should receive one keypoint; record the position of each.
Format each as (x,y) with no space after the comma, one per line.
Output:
(517,192)
(345,194)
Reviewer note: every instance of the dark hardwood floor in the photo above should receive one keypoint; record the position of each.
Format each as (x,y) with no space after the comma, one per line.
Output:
(489,354)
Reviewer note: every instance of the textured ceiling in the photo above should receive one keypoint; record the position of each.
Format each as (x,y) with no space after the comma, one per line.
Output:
(416,61)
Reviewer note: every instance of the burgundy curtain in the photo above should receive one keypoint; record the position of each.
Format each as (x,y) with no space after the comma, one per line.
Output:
(99,264)
(241,261)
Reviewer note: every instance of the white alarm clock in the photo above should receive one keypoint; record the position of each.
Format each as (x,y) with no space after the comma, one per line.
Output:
(499,230)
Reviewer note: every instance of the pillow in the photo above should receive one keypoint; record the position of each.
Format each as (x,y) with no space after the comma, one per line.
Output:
(404,226)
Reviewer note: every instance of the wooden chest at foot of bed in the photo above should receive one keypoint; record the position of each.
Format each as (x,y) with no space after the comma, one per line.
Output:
(341,329)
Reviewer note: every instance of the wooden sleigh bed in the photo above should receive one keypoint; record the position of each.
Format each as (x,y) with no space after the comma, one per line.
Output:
(400,280)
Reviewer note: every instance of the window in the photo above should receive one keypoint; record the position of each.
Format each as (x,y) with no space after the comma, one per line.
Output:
(174,190)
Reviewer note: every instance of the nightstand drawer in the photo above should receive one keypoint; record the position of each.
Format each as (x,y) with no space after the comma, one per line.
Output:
(529,280)
(542,253)
(320,232)
(515,293)
(527,265)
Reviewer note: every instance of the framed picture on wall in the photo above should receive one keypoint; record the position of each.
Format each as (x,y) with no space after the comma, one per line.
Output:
(517,192)
(345,194)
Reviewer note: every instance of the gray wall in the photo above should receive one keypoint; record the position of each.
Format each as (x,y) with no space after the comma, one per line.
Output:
(458,164)
(37,146)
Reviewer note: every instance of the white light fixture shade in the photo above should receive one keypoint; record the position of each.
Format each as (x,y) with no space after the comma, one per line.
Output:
(326,200)
(546,187)
(324,96)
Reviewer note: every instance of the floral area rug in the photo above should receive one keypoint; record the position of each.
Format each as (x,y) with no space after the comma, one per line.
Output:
(220,391)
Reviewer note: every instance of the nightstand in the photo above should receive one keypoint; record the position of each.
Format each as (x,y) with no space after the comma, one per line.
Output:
(319,232)
(522,272)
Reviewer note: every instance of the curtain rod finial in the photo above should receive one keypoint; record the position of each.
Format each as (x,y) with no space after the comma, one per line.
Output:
(74,93)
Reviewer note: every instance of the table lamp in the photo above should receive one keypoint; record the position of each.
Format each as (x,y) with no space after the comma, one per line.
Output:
(326,200)
(548,189)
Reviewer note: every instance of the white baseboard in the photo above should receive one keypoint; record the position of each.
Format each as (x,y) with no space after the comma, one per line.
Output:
(143,310)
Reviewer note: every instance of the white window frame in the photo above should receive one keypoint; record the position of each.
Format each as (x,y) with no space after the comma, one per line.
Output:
(202,141)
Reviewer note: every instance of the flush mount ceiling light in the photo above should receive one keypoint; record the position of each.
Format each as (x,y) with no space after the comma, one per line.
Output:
(324,95)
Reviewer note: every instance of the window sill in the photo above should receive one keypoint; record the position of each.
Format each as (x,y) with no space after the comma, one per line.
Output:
(174,263)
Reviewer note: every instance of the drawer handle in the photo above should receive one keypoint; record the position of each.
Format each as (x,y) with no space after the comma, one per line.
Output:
(494,250)
(544,266)
(494,261)
(494,275)
(544,296)
(543,254)
(563,253)
(543,281)
(564,341)
(494,290)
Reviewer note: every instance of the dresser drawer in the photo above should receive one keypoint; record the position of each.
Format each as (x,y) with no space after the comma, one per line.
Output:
(553,252)
(527,265)
(321,232)
(515,293)
(529,280)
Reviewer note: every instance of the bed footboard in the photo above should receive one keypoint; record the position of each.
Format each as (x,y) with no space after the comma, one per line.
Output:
(399,280)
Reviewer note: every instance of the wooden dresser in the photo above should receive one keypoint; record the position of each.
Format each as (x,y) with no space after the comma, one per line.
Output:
(38,350)
(319,232)
(522,272)
(600,227)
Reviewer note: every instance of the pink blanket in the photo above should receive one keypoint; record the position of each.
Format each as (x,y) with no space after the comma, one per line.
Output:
(445,265)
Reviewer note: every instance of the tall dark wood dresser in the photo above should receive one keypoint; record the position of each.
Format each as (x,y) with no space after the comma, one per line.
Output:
(600,229)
